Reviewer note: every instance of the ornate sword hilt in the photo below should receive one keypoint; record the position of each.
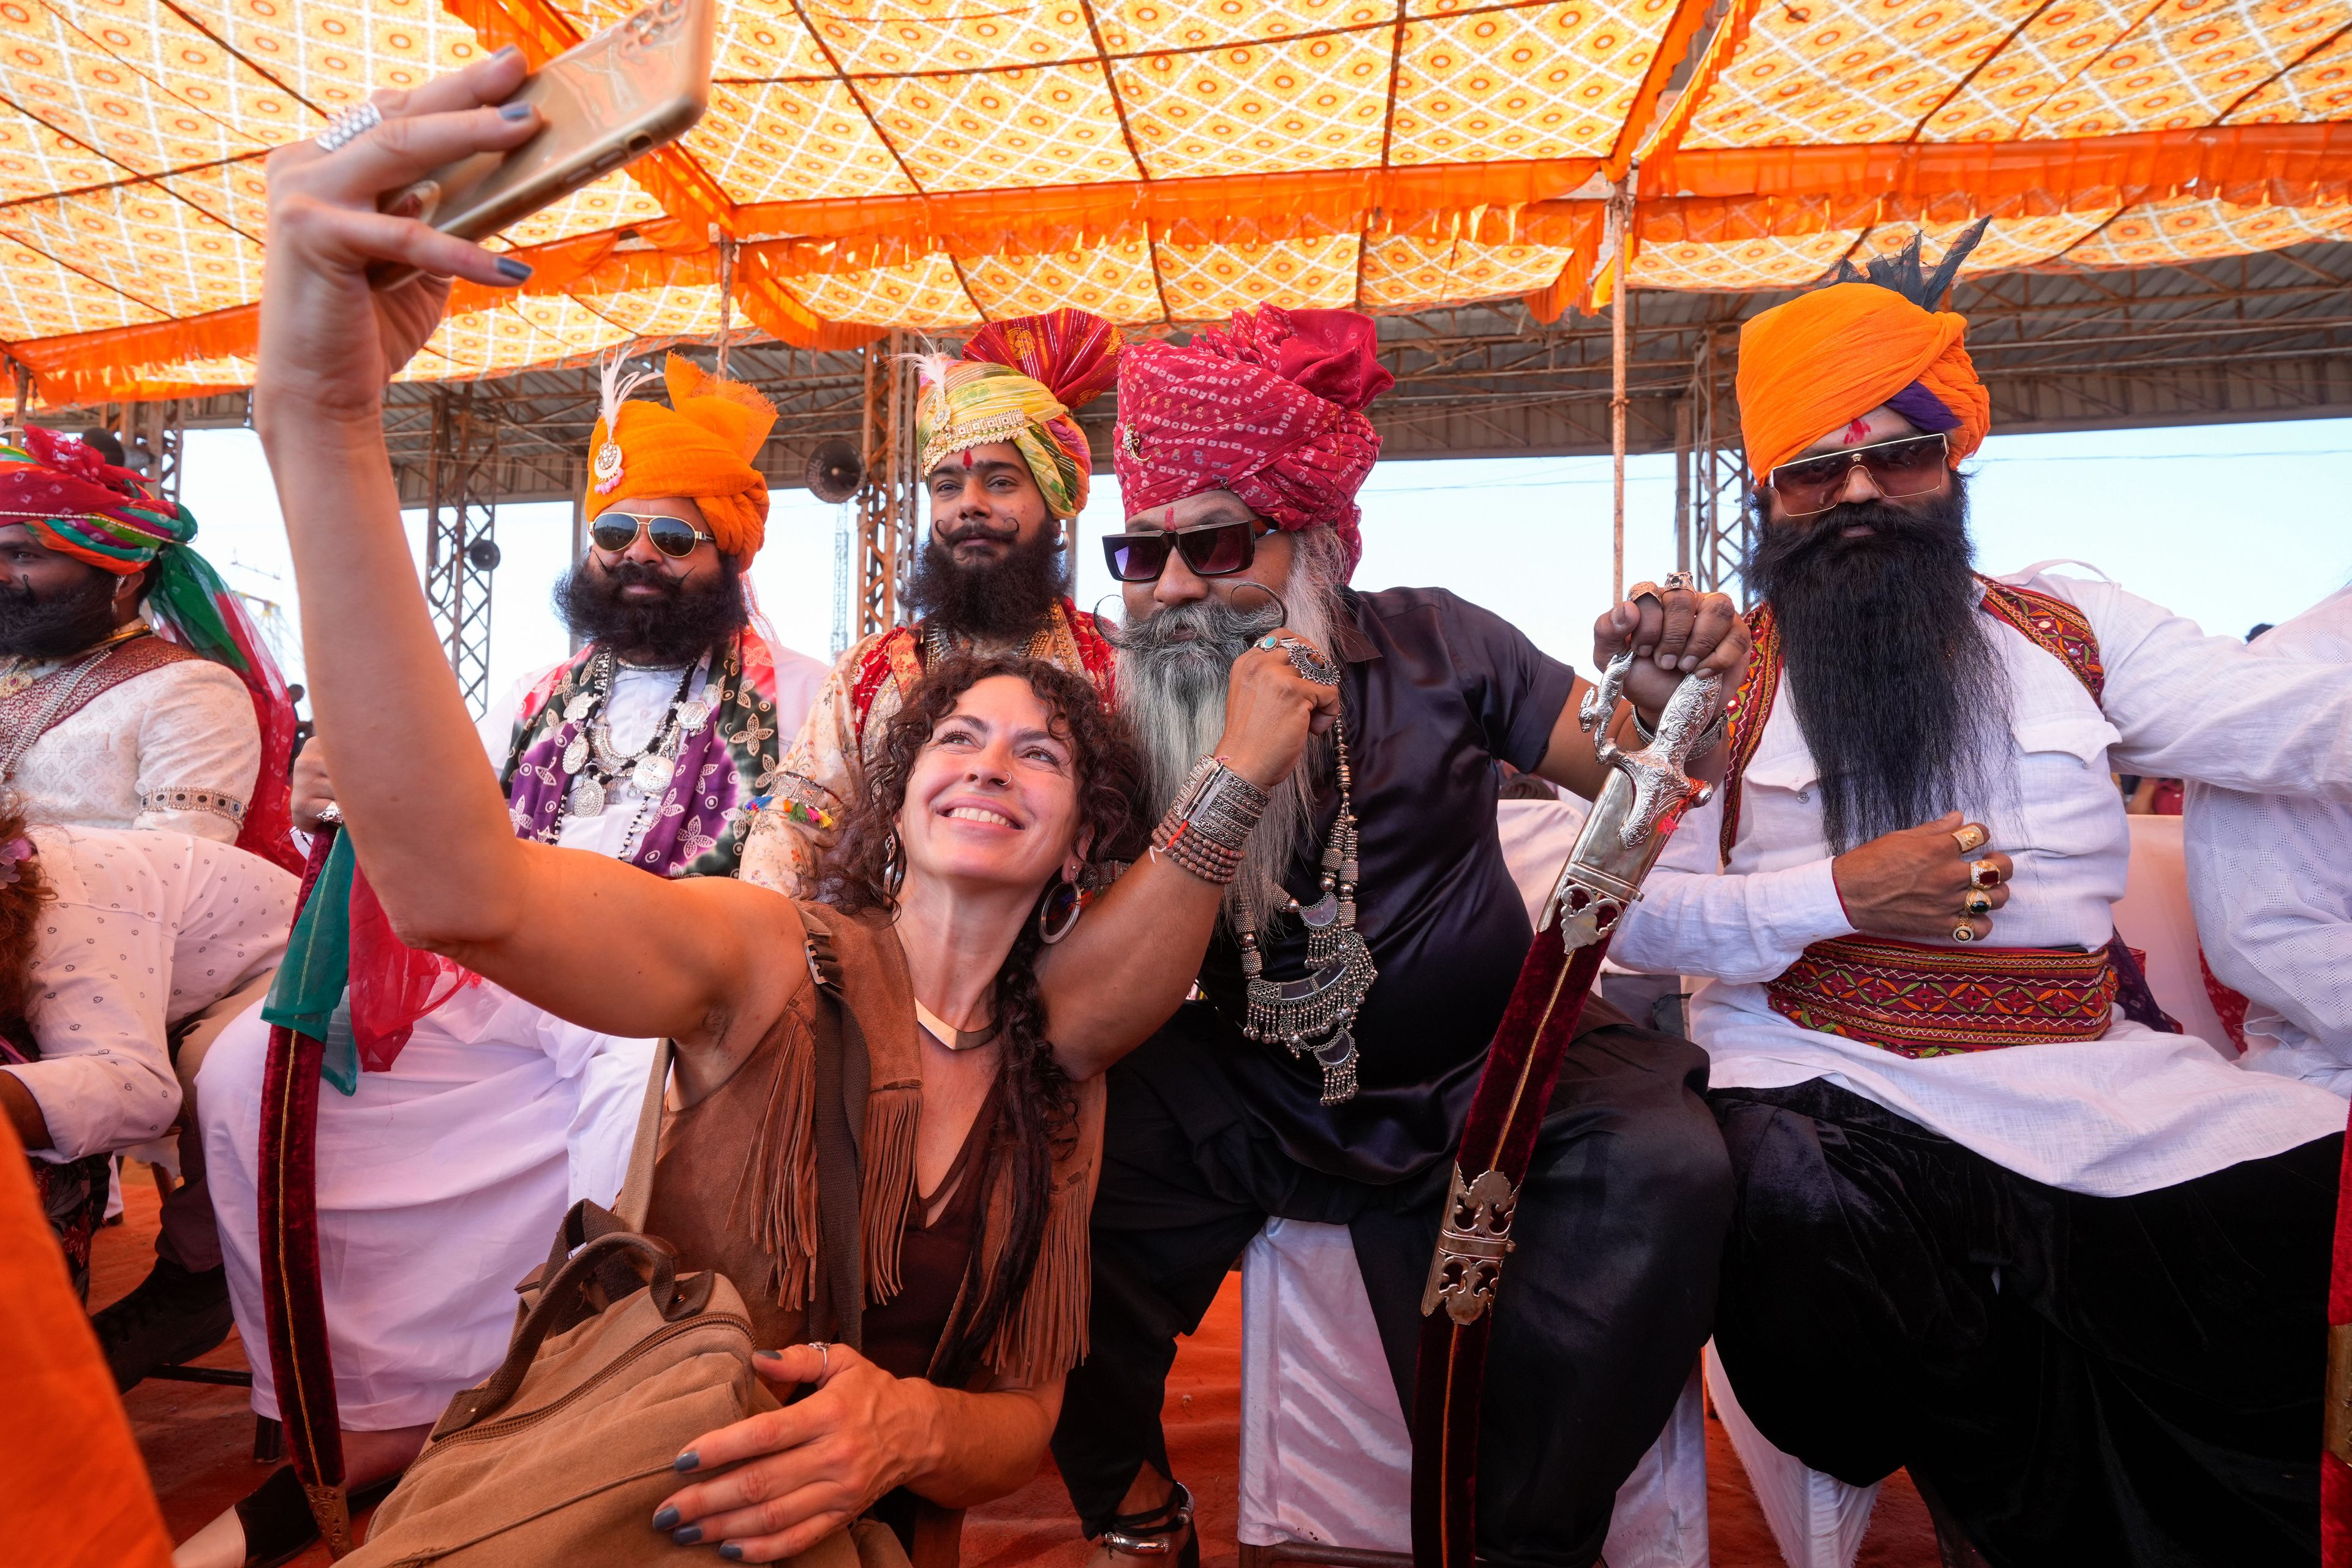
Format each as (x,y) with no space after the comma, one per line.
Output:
(1646,788)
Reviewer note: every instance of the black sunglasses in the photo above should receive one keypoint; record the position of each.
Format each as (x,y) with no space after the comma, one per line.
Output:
(615,532)
(1910,466)
(1213,550)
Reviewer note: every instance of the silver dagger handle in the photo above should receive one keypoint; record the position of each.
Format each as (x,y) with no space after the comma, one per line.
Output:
(1621,838)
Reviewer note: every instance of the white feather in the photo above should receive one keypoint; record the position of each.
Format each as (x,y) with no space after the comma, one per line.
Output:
(617,387)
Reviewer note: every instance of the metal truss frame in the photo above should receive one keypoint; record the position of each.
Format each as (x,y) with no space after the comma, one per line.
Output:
(889,508)
(460,526)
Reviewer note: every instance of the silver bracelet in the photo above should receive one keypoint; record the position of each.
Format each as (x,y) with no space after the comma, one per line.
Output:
(1221,805)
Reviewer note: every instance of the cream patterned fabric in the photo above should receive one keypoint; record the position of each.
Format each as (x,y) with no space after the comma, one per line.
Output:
(146,929)
(176,749)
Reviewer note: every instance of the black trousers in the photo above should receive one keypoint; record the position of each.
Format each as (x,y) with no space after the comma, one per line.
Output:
(2083,1380)
(1601,1311)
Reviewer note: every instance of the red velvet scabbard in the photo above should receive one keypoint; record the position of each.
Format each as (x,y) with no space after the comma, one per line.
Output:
(2336,1453)
(1505,1114)
(293,1304)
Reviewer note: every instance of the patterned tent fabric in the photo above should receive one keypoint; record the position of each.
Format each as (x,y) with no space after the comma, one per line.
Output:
(935,163)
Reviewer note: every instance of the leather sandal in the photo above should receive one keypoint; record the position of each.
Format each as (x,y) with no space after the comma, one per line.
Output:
(277,1520)
(1155,1535)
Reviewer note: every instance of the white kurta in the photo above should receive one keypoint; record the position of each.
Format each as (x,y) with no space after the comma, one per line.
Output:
(2128,1112)
(2270,877)
(142,930)
(138,753)
(441,1181)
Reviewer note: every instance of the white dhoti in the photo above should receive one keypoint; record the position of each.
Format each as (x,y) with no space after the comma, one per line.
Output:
(440,1185)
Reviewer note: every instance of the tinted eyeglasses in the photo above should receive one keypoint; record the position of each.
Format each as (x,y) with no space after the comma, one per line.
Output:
(1217,550)
(615,530)
(1909,466)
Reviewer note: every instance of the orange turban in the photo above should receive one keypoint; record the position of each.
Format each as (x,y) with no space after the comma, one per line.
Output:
(1827,358)
(700,447)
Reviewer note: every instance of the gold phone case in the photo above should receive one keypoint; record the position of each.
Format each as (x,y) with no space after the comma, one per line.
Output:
(638,85)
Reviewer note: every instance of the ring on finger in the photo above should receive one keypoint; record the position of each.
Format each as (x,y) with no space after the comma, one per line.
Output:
(1964,933)
(1979,902)
(1678,583)
(330,813)
(1984,874)
(1271,641)
(349,126)
(1310,664)
(1970,836)
(824,1358)
(1647,588)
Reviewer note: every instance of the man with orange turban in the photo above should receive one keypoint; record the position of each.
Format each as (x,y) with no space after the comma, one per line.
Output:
(1006,468)
(2000,1222)
(465,1121)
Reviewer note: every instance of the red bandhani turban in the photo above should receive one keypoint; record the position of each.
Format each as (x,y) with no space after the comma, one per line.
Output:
(1270,408)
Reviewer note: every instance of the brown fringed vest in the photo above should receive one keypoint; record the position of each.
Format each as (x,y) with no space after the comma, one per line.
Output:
(735,1185)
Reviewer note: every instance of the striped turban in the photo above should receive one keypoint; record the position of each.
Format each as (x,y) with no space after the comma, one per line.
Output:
(1022,381)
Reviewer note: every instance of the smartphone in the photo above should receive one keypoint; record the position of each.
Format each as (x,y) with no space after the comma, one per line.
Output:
(639,84)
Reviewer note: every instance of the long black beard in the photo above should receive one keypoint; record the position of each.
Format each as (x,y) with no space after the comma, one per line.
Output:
(54,625)
(688,621)
(1898,687)
(991,601)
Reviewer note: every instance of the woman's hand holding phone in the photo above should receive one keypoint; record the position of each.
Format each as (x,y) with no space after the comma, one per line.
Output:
(329,341)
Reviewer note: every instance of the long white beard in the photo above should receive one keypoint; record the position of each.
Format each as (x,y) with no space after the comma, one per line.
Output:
(1172,690)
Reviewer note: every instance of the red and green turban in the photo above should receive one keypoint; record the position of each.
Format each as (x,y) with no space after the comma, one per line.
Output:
(79,504)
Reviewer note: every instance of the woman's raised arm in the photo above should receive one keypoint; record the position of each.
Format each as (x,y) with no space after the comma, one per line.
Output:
(601,944)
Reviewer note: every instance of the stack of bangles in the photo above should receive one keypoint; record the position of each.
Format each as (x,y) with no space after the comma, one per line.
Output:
(1210,821)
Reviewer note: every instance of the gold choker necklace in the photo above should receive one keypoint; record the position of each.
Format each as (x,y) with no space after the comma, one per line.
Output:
(948,1034)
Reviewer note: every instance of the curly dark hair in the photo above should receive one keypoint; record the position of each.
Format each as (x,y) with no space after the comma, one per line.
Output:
(20,905)
(866,870)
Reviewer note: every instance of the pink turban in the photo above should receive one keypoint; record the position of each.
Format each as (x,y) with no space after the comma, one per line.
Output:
(1270,407)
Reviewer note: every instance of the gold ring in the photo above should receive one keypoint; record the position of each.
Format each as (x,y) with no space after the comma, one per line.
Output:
(1979,903)
(1971,837)
(1983,874)
(1964,933)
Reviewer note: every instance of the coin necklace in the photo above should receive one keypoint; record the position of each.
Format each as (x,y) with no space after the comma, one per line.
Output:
(1317,1013)
(595,763)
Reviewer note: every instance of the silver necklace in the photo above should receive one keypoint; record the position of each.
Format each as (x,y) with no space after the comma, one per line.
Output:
(1317,1012)
(595,763)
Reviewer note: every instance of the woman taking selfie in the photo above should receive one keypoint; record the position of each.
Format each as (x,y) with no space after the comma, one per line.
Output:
(1001,782)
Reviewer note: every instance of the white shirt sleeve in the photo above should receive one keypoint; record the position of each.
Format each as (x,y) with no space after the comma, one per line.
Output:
(1693,919)
(2271,878)
(2190,706)
(199,750)
(146,928)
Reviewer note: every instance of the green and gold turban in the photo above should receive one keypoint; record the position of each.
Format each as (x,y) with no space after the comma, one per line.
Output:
(1022,381)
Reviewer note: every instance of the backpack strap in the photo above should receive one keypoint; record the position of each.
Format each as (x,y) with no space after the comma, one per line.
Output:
(843,1073)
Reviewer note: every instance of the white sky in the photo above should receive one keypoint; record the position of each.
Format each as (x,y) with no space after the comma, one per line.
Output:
(2227,524)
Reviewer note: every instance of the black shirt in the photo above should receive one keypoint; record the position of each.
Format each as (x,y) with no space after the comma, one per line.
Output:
(1435,689)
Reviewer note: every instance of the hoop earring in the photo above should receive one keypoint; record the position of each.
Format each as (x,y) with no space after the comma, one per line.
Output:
(894,864)
(1065,893)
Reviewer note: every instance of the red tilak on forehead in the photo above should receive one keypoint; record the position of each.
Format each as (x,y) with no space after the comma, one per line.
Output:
(1857,433)
(967,456)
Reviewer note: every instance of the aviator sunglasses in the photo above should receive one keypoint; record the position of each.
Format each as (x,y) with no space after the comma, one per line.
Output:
(1213,550)
(1908,467)
(613,532)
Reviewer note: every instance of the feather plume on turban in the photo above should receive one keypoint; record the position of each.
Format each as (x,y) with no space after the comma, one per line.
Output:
(1827,358)
(699,447)
(1270,407)
(1022,381)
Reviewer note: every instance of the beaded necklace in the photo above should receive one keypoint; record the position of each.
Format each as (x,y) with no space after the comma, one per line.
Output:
(595,764)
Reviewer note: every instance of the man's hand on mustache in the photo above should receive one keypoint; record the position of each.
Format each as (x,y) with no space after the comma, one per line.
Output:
(1270,710)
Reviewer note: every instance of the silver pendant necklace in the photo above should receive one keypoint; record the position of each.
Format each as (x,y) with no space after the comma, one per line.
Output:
(1318,1013)
(595,763)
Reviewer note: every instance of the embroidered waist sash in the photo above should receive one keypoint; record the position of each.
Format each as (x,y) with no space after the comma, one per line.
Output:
(1919,1001)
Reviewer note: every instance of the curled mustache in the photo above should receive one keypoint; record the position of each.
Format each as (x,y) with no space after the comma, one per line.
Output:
(1212,625)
